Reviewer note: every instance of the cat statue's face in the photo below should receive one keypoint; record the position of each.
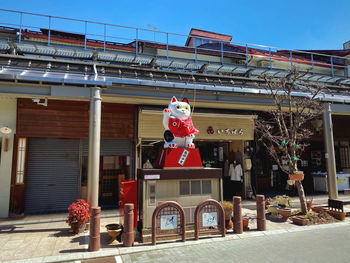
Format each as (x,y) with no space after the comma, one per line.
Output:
(180,109)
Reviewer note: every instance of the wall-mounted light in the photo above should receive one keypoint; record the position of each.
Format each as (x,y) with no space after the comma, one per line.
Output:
(6,130)
(39,101)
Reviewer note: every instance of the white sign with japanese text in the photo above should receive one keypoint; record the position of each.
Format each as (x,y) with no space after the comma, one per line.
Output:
(210,219)
(168,222)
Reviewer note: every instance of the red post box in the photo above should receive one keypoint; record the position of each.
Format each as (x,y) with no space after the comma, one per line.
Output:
(128,194)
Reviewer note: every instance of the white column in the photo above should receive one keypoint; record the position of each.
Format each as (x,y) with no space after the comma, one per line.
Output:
(94,145)
(330,155)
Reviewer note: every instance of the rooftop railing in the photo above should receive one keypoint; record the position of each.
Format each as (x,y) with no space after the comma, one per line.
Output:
(223,55)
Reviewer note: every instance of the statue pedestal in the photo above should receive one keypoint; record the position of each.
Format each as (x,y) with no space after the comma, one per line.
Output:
(179,158)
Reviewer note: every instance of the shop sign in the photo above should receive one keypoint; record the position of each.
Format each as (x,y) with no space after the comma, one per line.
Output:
(210,219)
(183,157)
(168,222)
(228,131)
(152,176)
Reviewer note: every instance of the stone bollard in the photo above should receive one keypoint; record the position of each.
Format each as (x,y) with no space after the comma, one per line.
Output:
(237,215)
(94,237)
(128,234)
(260,211)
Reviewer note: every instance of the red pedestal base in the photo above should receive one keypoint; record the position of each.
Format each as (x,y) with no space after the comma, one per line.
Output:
(179,158)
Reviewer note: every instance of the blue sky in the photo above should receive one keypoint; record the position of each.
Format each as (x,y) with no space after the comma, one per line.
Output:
(296,24)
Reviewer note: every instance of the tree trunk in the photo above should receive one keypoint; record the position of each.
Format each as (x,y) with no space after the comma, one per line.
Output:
(302,197)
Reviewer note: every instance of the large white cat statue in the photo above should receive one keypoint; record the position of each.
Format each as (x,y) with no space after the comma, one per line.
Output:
(177,122)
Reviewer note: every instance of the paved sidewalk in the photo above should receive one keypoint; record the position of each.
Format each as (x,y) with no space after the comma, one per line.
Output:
(48,239)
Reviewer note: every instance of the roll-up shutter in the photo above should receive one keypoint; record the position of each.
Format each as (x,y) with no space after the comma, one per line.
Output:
(109,147)
(52,175)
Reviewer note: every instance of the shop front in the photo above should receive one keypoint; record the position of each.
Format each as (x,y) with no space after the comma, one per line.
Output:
(52,154)
(223,142)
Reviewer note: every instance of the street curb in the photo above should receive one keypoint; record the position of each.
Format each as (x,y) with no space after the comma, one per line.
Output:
(119,251)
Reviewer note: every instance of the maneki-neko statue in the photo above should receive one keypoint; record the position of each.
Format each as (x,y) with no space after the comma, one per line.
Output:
(179,129)
(179,150)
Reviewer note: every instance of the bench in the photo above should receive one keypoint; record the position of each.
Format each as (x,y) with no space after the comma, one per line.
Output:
(337,205)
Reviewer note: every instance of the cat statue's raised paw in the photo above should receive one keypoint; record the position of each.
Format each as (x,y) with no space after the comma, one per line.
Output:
(177,122)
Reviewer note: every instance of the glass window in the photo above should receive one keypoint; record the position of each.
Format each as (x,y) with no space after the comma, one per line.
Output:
(206,187)
(195,187)
(344,157)
(22,145)
(184,187)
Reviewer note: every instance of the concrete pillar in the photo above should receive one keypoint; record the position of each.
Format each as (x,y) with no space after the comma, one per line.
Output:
(330,155)
(95,236)
(260,211)
(237,215)
(94,146)
(128,235)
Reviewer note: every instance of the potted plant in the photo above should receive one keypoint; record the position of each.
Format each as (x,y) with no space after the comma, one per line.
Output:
(228,209)
(280,204)
(79,215)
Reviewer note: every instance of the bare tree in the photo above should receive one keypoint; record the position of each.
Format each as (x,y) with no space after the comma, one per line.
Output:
(284,132)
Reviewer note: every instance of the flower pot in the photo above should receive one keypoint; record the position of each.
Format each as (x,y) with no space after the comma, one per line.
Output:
(114,231)
(284,212)
(298,220)
(245,223)
(77,228)
(337,214)
(296,177)
(228,224)
(308,205)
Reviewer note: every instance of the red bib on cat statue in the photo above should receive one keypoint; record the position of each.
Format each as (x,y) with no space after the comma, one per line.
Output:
(182,128)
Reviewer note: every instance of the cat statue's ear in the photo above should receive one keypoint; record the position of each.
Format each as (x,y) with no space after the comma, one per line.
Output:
(173,100)
(185,100)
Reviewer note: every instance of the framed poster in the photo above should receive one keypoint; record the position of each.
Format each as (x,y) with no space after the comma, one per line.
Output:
(168,222)
(210,219)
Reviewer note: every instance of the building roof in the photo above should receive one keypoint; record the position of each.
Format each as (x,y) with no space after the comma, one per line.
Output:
(206,34)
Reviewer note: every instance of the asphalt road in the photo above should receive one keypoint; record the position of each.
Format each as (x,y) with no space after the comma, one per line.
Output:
(319,245)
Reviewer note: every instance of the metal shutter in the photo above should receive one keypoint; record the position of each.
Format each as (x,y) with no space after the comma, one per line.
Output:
(52,175)
(109,147)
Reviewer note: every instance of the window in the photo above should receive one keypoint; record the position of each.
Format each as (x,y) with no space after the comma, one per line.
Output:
(195,187)
(206,187)
(184,187)
(21,159)
(344,157)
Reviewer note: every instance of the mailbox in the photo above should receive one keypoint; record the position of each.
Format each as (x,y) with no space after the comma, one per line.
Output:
(128,194)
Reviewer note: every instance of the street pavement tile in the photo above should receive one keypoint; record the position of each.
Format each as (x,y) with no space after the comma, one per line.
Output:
(13,244)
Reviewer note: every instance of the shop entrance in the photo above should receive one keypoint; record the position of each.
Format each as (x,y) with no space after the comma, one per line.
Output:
(113,169)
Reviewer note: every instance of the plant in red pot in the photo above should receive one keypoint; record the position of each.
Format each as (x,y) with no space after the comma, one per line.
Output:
(79,215)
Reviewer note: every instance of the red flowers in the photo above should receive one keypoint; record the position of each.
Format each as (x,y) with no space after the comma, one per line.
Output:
(79,212)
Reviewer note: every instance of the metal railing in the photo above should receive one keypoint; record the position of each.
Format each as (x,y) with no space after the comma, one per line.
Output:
(215,51)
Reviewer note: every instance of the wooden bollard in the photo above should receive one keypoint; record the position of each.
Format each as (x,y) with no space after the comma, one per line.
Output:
(94,237)
(128,234)
(260,211)
(237,215)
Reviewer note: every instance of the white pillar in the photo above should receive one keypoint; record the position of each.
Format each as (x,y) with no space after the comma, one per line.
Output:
(94,145)
(330,155)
